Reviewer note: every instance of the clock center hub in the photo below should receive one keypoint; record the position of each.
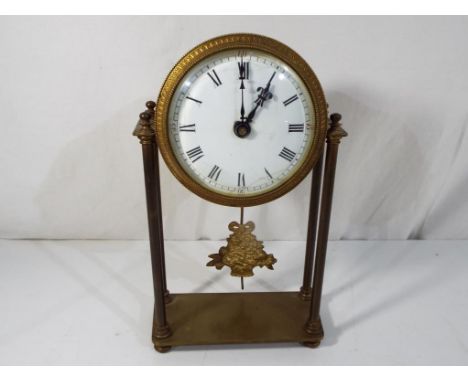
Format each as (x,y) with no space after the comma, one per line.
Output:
(242,129)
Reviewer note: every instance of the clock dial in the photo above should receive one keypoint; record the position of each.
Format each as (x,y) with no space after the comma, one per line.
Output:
(241,123)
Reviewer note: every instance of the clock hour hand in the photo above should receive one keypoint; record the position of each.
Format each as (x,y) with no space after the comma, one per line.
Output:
(263,96)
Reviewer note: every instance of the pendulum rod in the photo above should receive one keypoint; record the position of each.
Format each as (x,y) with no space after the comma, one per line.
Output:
(242,222)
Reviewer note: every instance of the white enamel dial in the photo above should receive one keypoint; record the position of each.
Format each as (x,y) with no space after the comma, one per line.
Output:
(208,103)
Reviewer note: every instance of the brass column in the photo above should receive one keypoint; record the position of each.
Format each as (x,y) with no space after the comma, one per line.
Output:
(306,289)
(334,135)
(151,105)
(145,133)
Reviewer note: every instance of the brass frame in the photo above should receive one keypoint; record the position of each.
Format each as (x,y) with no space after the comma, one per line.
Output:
(240,317)
(230,42)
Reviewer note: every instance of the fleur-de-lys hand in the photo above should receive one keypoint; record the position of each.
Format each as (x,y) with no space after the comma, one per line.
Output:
(263,96)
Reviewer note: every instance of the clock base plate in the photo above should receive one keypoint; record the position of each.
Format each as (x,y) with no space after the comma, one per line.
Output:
(238,318)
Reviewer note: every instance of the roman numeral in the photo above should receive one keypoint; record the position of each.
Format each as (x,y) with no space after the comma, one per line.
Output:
(287,154)
(244,70)
(187,128)
(290,100)
(296,127)
(240,180)
(214,173)
(268,173)
(195,154)
(214,77)
(193,99)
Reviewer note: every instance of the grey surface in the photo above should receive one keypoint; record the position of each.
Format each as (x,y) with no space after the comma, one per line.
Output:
(90,303)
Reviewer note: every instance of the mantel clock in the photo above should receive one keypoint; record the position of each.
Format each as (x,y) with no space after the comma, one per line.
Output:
(241,120)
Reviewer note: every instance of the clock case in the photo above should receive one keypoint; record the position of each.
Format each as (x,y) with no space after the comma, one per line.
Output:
(240,43)
(245,317)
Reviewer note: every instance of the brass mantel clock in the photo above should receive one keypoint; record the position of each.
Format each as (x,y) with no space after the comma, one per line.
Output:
(241,120)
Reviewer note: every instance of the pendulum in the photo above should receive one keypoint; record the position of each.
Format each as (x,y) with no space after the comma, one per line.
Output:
(242,222)
(243,251)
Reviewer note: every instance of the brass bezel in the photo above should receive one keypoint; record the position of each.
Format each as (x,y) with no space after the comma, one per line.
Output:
(228,42)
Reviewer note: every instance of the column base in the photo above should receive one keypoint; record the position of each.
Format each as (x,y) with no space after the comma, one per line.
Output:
(160,333)
(305,293)
(314,327)
(167,297)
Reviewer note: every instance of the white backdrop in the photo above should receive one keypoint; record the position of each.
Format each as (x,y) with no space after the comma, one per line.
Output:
(72,88)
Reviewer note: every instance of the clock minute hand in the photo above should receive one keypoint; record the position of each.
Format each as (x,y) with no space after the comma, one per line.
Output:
(242,108)
(264,95)
(242,87)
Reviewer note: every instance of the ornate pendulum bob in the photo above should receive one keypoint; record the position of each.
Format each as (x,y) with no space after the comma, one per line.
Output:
(243,251)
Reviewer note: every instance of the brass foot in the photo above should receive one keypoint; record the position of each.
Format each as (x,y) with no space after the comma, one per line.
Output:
(162,349)
(311,344)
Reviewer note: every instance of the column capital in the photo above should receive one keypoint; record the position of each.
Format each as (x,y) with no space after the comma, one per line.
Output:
(335,132)
(144,129)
